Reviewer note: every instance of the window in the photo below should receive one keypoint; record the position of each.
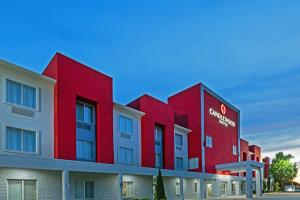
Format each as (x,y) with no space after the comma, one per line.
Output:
(234,150)
(84,150)
(88,189)
(84,112)
(21,140)
(179,163)
(125,155)
(21,190)
(125,124)
(209,141)
(127,190)
(158,160)
(178,139)
(85,132)
(177,188)
(84,189)
(158,146)
(195,187)
(223,188)
(193,163)
(20,94)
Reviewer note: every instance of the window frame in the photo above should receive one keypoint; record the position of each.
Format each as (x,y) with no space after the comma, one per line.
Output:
(177,188)
(178,134)
(37,94)
(86,105)
(208,141)
(194,163)
(179,158)
(22,186)
(234,150)
(132,152)
(126,182)
(119,124)
(84,194)
(37,141)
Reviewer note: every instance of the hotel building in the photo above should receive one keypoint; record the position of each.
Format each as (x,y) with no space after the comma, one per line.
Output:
(63,137)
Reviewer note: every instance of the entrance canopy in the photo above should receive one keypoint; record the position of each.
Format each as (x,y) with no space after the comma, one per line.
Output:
(248,167)
(240,166)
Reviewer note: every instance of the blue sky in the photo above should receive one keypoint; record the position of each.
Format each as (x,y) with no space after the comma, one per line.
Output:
(247,51)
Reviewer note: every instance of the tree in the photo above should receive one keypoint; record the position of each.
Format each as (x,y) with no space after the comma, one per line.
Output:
(283,169)
(159,187)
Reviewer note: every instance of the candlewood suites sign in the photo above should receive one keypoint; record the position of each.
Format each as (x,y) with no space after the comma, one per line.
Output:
(221,116)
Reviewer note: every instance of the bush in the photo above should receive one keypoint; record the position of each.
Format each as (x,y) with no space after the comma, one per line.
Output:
(276,187)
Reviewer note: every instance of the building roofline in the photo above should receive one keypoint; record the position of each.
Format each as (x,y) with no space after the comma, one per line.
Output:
(29,72)
(129,109)
(182,128)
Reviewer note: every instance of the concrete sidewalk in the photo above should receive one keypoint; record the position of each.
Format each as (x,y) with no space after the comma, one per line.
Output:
(271,196)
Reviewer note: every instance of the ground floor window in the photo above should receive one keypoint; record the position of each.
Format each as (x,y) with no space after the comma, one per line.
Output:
(177,188)
(233,187)
(195,187)
(243,187)
(209,190)
(84,189)
(22,190)
(127,190)
(223,189)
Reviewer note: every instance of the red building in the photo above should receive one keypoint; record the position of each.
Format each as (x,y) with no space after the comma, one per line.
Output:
(63,131)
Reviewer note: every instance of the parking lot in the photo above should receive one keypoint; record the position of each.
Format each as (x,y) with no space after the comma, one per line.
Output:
(272,196)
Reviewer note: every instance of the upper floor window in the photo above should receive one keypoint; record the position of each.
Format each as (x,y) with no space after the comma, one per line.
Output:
(21,140)
(158,146)
(193,163)
(20,94)
(84,112)
(21,190)
(179,163)
(234,150)
(125,124)
(209,141)
(125,155)
(178,140)
(158,135)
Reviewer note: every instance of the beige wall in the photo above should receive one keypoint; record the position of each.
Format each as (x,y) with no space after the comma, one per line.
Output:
(48,182)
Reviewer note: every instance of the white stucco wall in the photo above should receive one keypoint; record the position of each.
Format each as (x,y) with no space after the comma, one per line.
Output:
(48,182)
(43,120)
(134,141)
(183,152)
(142,185)
(106,185)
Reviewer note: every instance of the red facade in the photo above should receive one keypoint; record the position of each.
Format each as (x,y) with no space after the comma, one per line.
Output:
(157,113)
(77,81)
(191,108)
(224,137)
(266,161)
(255,153)
(187,104)
(244,150)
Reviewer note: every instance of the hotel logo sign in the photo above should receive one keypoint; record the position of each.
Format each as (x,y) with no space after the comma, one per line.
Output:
(221,116)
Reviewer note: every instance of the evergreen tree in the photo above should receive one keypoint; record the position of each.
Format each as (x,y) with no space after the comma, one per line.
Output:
(159,187)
